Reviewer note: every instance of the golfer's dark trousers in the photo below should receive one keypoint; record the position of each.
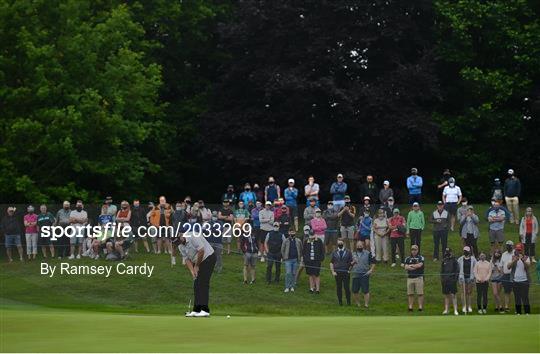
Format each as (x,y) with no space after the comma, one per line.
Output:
(439,238)
(416,237)
(271,260)
(201,285)
(343,281)
(521,296)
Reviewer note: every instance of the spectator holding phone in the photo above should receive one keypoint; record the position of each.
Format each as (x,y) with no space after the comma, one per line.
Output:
(519,275)
(482,274)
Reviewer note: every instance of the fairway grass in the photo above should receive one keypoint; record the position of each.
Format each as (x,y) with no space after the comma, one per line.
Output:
(45,330)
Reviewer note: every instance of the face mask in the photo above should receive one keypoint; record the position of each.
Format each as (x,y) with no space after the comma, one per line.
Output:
(178,208)
(30,210)
(483,258)
(214,218)
(509,248)
(366,215)
(276,228)
(79,208)
(359,249)
(492,203)
(66,207)
(447,255)
(124,207)
(136,205)
(466,253)
(247,189)
(291,235)
(340,245)
(497,256)
(452,184)
(256,188)
(464,203)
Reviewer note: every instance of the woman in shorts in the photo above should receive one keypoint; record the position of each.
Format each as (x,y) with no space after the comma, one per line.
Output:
(466,263)
(496,280)
(449,277)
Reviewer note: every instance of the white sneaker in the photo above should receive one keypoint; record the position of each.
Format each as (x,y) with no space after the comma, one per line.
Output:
(393,265)
(96,257)
(78,256)
(456,313)
(470,309)
(292,290)
(480,311)
(464,309)
(445,312)
(259,253)
(397,256)
(202,314)
(173,261)
(262,259)
(191,314)
(286,290)
(71,257)
(533,259)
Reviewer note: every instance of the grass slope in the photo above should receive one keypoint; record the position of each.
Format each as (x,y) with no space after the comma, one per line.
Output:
(74,331)
(169,290)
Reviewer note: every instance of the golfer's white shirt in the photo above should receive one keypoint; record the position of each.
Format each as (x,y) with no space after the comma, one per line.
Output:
(192,246)
(452,194)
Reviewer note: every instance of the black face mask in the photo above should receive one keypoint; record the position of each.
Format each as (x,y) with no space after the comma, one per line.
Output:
(340,245)
(509,248)
(66,208)
(359,249)
(466,254)
(447,255)
(79,208)
(247,189)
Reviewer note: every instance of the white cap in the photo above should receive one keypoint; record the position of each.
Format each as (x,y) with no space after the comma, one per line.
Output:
(291,180)
(268,203)
(510,171)
(339,175)
(416,204)
(386,183)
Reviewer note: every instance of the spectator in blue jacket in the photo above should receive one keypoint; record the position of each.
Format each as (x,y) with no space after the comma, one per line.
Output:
(248,196)
(338,190)
(414,185)
(291,194)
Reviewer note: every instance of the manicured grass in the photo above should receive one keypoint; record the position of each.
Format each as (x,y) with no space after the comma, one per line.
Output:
(75,331)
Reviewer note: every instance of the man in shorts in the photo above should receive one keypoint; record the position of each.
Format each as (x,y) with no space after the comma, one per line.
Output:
(248,245)
(363,266)
(414,265)
(11,229)
(346,215)
(496,219)
(506,258)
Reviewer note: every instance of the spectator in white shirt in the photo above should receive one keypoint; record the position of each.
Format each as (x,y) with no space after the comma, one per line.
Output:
(451,198)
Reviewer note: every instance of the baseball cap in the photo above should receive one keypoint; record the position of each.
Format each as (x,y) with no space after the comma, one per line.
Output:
(414,169)
(440,202)
(510,171)
(414,247)
(509,243)
(386,183)
(416,204)
(347,197)
(291,180)
(339,175)
(391,198)
(268,203)
(307,228)
(367,198)
(11,208)
(467,248)
(396,210)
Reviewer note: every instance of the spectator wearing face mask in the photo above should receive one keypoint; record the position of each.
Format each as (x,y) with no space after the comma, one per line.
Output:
(291,195)
(452,197)
(241,216)
(256,227)
(248,245)
(309,211)
(439,219)
(272,190)
(247,196)
(528,231)
(78,218)
(444,180)
(449,278)
(398,229)
(362,266)
(229,195)
(506,258)
(112,210)
(31,232)
(466,277)
(497,191)
(318,225)
(462,210)
(414,185)
(138,223)
(520,278)
(512,191)
(496,280)
(346,217)
(389,207)
(11,229)
(469,230)
(496,219)
(482,275)
(313,255)
(364,227)
(272,243)
(340,265)
(226,216)
(330,215)
(291,253)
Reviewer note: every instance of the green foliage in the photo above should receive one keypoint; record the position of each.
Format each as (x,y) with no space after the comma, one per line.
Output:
(78,100)
(489,54)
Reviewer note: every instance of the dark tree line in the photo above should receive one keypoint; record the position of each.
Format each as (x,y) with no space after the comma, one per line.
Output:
(139,98)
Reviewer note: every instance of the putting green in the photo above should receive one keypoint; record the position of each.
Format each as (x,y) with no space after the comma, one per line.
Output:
(43,330)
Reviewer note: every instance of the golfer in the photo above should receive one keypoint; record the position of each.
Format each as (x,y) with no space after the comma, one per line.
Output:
(199,258)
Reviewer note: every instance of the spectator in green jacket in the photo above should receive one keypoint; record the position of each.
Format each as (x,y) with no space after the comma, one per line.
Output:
(415,224)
